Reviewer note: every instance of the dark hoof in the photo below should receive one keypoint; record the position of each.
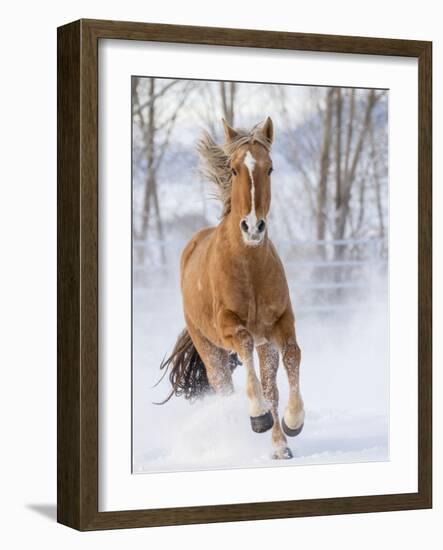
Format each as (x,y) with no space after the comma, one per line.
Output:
(289,431)
(283,454)
(262,423)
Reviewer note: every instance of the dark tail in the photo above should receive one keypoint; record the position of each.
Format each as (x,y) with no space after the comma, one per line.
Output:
(187,372)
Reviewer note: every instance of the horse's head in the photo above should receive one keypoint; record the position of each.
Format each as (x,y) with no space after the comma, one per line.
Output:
(251,167)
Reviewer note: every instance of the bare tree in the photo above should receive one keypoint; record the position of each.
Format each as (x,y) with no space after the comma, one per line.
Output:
(321,214)
(335,142)
(155,119)
(227,94)
(353,163)
(218,99)
(376,175)
(302,153)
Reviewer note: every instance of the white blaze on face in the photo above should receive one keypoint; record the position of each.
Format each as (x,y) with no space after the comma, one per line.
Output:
(251,218)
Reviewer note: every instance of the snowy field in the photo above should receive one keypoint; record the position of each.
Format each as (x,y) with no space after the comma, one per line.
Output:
(344,382)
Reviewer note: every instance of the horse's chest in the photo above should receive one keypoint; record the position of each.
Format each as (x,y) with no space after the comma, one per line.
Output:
(257,305)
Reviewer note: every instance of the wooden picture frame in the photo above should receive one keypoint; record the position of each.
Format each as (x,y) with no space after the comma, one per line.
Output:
(77,455)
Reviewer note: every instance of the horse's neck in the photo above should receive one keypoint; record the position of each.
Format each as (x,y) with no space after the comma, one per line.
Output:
(229,230)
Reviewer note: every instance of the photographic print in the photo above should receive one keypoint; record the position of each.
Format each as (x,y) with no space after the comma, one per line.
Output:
(260,228)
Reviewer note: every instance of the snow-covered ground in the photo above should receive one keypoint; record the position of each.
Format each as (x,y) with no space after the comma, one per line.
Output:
(344,381)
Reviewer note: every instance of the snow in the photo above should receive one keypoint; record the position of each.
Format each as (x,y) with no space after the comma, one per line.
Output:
(344,383)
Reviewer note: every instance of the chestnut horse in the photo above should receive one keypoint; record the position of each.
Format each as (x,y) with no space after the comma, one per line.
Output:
(235,293)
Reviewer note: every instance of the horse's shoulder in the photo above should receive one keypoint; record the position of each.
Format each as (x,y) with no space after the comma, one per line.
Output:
(195,240)
(202,234)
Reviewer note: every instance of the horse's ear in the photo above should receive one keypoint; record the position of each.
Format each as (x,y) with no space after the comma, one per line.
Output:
(230,133)
(268,129)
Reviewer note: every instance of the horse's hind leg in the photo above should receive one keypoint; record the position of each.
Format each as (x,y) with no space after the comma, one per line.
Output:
(237,338)
(294,415)
(215,359)
(268,357)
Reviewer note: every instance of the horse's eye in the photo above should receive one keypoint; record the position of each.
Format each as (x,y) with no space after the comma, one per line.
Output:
(234,171)
(270,171)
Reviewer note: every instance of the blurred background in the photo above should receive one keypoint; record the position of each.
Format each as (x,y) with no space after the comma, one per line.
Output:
(329,222)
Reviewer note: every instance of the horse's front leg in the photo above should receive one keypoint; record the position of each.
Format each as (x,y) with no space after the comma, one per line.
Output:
(237,338)
(284,335)
(268,357)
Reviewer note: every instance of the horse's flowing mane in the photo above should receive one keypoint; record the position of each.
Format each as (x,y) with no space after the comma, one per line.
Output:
(215,161)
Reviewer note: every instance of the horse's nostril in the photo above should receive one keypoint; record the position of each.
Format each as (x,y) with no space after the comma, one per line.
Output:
(244,225)
(261,226)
